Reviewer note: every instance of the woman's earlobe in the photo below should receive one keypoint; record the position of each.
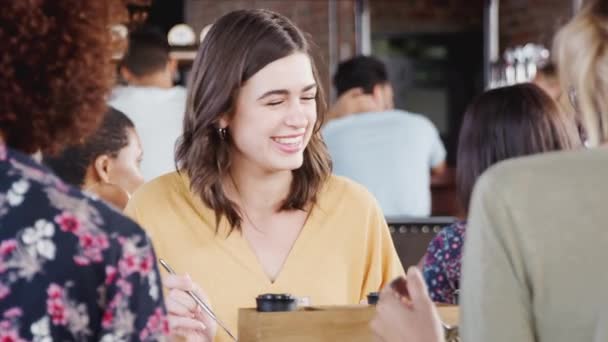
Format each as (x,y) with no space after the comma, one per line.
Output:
(223,121)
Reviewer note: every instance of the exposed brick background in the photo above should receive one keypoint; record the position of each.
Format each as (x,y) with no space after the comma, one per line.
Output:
(521,21)
(388,16)
(525,21)
(310,16)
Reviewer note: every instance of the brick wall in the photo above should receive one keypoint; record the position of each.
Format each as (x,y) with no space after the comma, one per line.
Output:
(310,16)
(389,16)
(525,21)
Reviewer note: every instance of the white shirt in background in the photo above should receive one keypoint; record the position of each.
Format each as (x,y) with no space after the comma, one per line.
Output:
(391,153)
(158,117)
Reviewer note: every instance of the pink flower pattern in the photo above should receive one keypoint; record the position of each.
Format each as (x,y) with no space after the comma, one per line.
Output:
(68,222)
(59,260)
(9,325)
(442,266)
(56,305)
(156,327)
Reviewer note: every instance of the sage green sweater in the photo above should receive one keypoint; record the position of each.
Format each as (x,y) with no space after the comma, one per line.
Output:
(535,252)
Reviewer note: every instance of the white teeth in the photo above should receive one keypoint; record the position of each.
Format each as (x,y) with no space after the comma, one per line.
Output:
(289,141)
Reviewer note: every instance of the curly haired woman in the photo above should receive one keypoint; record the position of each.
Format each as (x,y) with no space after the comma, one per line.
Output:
(71,268)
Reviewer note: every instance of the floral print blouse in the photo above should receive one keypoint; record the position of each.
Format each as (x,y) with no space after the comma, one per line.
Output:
(441,267)
(71,268)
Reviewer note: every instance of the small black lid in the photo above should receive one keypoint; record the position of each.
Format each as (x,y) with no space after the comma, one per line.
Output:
(373,297)
(276,297)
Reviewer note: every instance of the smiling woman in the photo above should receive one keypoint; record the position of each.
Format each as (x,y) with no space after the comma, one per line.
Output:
(254,208)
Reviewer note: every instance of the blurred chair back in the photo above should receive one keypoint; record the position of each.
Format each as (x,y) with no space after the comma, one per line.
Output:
(412,235)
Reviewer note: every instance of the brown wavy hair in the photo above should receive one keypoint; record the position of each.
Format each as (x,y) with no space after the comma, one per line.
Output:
(55,71)
(238,45)
(507,123)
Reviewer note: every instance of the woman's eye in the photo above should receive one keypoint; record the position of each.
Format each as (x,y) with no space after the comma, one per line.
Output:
(308,98)
(274,103)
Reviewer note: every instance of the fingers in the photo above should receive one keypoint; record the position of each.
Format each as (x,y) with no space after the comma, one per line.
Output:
(200,293)
(180,282)
(180,303)
(178,299)
(185,326)
(387,291)
(376,327)
(400,286)
(197,338)
(390,301)
(186,317)
(417,287)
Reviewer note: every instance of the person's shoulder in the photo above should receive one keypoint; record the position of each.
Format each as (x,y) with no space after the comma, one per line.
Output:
(339,123)
(335,183)
(132,93)
(114,221)
(548,166)
(118,91)
(176,93)
(353,124)
(411,118)
(530,176)
(159,189)
(453,231)
(124,98)
(120,94)
(344,190)
(179,90)
(448,238)
(54,199)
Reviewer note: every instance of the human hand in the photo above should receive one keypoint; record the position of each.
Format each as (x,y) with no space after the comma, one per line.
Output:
(186,318)
(413,319)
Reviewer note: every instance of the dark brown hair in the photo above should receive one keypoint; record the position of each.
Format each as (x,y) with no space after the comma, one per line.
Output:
(109,138)
(506,123)
(238,45)
(148,52)
(361,71)
(55,71)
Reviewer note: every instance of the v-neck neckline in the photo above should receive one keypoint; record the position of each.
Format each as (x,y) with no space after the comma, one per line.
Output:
(241,249)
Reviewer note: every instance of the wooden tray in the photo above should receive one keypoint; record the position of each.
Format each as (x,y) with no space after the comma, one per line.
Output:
(323,324)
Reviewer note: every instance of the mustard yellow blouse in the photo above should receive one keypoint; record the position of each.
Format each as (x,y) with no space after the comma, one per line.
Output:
(343,252)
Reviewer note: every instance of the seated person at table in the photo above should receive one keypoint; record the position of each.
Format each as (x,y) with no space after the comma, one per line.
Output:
(254,208)
(150,99)
(71,267)
(536,226)
(106,163)
(391,152)
(502,123)
(537,233)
